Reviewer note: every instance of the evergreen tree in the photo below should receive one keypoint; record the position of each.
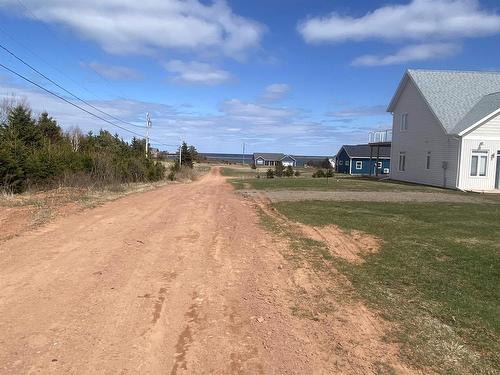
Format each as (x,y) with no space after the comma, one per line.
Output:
(186,157)
(194,154)
(49,129)
(278,169)
(21,126)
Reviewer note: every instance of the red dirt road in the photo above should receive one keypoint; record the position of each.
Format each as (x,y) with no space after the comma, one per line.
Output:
(178,280)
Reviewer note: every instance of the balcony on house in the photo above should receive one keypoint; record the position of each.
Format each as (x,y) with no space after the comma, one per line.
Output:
(380,136)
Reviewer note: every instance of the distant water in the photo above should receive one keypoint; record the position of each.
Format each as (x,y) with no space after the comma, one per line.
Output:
(248,158)
(230,158)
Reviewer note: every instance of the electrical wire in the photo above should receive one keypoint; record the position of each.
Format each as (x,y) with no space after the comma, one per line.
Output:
(67,101)
(155,141)
(65,90)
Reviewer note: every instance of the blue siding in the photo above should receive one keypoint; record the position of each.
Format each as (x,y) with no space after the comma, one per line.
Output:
(347,165)
(365,166)
(342,159)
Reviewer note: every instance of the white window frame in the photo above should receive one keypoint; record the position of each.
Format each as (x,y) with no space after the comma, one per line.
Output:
(347,163)
(402,162)
(359,164)
(379,165)
(341,162)
(403,122)
(428,160)
(480,155)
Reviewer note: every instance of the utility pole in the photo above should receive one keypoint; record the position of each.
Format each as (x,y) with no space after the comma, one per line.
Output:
(243,155)
(180,154)
(148,126)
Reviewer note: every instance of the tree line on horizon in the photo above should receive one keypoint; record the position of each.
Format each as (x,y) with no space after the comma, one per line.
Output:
(36,153)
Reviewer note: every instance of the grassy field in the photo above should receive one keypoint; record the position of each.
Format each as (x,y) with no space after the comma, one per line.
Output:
(247,179)
(239,172)
(437,276)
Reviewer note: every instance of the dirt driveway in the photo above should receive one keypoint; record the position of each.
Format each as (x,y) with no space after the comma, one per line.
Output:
(177,280)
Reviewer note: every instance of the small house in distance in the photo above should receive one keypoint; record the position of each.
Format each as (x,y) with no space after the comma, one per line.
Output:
(359,160)
(262,159)
(446,129)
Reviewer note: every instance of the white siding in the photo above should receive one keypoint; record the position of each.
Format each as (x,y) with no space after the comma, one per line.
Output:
(424,134)
(489,135)
(490,129)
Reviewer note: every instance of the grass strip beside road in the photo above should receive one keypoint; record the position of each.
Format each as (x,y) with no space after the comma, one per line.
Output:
(437,276)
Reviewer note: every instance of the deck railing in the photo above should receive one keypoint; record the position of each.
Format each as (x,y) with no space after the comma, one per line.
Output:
(380,136)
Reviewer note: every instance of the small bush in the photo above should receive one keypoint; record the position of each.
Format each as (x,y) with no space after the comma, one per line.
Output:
(329,173)
(253,166)
(297,173)
(270,173)
(278,169)
(319,174)
(288,171)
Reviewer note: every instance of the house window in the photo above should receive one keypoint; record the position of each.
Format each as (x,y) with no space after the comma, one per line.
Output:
(359,165)
(341,162)
(402,161)
(403,123)
(347,162)
(379,165)
(478,163)
(428,160)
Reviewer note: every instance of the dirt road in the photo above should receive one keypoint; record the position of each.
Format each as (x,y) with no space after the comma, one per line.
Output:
(177,280)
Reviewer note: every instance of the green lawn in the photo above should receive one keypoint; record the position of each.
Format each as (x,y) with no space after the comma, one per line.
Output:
(339,182)
(437,276)
(238,172)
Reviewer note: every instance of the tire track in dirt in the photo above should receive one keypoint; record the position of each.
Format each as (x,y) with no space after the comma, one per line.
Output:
(179,280)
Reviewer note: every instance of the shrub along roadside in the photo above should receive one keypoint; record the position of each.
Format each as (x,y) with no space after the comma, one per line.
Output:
(35,153)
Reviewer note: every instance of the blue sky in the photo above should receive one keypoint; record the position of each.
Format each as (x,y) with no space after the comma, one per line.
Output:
(295,76)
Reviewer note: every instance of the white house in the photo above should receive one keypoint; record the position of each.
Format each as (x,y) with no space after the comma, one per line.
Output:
(262,159)
(446,129)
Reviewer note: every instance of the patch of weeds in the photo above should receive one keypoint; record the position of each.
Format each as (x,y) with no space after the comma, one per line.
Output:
(304,313)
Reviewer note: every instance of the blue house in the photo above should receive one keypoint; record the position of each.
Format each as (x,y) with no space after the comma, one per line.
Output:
(355,160)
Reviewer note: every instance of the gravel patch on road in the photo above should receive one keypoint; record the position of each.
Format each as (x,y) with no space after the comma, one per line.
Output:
(366,196)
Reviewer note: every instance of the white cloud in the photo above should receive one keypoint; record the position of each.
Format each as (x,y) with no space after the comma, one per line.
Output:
(139,27)
(419,52)
(196,73)
(255,113)
(276,91)
(372,110)
(352,114)
(114,71)
(261,127)
(417,20)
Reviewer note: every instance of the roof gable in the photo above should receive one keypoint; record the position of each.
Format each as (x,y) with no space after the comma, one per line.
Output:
(268,156)
(451,95)
(488,105)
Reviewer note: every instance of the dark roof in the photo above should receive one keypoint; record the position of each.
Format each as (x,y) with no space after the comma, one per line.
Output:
(268,156)
(363,151)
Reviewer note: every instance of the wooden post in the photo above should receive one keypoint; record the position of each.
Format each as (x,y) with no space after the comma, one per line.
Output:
(370,165)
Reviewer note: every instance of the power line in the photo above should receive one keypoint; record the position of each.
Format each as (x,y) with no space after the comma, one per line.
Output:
(67,101)
(55,68)
(79,107)
(65,90)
